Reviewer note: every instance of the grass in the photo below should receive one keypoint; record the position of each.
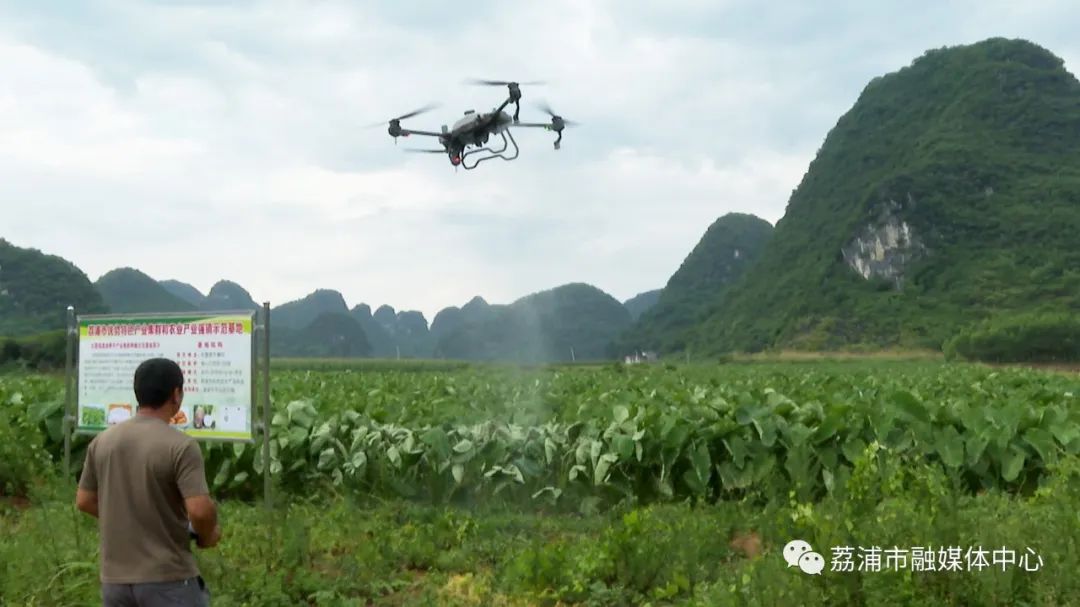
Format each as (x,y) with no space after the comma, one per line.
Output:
(844,355)
(337,551)
(367,364)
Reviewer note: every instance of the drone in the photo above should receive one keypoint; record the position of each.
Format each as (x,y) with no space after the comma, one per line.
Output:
(465,143)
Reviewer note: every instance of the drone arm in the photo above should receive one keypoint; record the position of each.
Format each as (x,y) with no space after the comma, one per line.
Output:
(509,100)
(544,125)
(407,132)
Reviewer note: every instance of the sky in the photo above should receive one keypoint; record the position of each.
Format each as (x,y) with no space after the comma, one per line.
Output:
(199,141)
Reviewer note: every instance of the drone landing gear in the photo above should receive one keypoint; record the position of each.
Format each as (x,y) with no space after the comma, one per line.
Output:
(515,98)
(508,140)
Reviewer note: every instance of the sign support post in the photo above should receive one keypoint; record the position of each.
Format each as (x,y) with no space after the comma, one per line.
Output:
(266,404)
(69,367)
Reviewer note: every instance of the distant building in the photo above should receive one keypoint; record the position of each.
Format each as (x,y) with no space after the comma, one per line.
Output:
(641,357)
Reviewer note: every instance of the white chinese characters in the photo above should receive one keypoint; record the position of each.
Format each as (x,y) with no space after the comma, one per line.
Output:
(920,559)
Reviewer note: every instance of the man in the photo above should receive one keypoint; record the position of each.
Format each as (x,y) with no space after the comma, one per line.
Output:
(145,481)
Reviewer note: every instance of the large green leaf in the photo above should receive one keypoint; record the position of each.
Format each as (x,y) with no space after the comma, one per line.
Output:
(623,445)
(766,429)
(1012,463)
(603,466)
(700,471)
(975,447)
(620,414)
(1043,443)
(302,413)
(909,405)
(738,449)
(327,459)
(297,437)
(853,449)
(950,446)
(828,428)
(436,439)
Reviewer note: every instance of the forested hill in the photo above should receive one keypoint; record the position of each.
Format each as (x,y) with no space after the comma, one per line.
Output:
(227,295)
(638,304)
(572,322)
(317,325)
(301,312)
(184,291)
(729,247)
(36,289)
(949,193)
(127,290)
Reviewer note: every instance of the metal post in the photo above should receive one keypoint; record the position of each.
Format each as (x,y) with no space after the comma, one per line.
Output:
(266,404)
(69,366)
(254,415)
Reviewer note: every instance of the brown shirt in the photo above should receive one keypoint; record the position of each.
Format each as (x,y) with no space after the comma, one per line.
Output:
(142,469)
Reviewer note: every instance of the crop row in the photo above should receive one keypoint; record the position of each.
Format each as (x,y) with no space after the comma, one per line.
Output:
(589,437)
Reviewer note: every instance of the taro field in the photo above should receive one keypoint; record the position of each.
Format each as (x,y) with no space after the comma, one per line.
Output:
(432,484)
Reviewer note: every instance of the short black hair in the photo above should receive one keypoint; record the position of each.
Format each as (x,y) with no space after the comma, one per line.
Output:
(155,380)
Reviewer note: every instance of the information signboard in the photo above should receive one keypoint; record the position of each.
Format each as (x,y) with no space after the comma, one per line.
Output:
(214,350)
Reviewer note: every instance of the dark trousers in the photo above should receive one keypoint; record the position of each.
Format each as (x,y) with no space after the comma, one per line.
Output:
(191,592)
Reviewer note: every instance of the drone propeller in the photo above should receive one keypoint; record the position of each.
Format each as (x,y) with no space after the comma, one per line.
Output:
(455,157)
(514,88)
(480,82)
(557,121)
(416,112)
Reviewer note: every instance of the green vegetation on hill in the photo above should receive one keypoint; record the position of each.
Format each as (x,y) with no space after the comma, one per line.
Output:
(638,304)
(36,289)
(450,319)
(446,321)
(730,246)
(41,352)
(405,333)
(302,312)
(320,326)
(412,335)
(949,193)
(329,335)
(184,291)
(380,339)
(574,321)
(129,291)
(227,295)
(1029,338)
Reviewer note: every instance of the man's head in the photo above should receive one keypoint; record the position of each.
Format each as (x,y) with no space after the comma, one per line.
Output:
(159,386)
